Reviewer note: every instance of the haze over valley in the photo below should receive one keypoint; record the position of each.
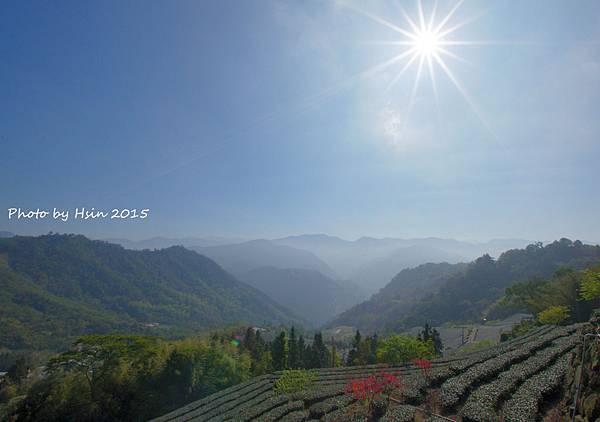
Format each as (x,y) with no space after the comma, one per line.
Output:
(299,211)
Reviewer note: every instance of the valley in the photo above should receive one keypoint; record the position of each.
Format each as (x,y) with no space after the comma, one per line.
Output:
(260,342)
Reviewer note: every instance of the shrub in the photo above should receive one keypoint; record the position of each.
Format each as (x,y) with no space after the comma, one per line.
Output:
(281,411)
(424,365)
(554,315)
(402,413)
(481,405)
(7,392)
(295,380)
(327,406)
(373,389)
(524,404)
(454,388)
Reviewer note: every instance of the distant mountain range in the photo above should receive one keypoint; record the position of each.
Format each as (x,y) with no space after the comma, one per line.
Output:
(56,287)
(165,242)
(372,262)
(240,258)
(379,272)
(310,294)
(367,262)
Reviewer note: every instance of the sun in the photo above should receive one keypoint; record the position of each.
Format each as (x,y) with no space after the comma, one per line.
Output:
(428,42)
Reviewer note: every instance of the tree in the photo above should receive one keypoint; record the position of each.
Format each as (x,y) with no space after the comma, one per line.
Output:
(319,354)
(96,356)
(590,285)
(401,349)
(354,354)
(438,345)
(426,333)
(554,315)
(431,334)
(129,378)
(19,370)
(280,352)
(249,341)
(373,345)
(333,354)
(567,288)
(293,350)
(302,353)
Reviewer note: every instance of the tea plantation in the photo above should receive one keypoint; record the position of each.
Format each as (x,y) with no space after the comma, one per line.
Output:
(514,381)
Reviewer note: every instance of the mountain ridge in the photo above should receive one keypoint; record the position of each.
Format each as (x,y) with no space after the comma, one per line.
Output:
(464,296)
(55,287)
(240,258)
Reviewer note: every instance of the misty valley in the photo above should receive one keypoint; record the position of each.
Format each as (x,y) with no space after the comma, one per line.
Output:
(299,211)
(269,330)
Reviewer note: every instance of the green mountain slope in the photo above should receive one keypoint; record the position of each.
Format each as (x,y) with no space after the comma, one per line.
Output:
(55,287)
(464,295)
(398,296)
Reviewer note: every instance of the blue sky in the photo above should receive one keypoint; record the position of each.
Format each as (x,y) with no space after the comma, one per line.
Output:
(247,119)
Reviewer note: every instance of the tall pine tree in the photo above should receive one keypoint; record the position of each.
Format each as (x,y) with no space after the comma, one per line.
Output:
(437,342)
(302,355)
(293,350)
(279,352)
(354,354)
(320,357)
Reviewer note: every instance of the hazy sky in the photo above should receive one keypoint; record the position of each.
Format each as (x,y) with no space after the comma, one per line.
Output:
(255,118)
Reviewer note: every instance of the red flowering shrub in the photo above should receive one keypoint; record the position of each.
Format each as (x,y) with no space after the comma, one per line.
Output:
(374,387)
(424,364)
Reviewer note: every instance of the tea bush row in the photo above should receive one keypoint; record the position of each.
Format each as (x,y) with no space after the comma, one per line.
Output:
(282,411)
(481,404)
(318,394)
(524,404)
(454,388)
(402,413)
(260,407)
(319,409)
(235,409)
(200,407)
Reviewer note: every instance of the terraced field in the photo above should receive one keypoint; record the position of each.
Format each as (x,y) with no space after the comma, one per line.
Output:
(511,380)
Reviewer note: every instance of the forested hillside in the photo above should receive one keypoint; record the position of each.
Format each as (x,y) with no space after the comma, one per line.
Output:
(398,296)
(467,294)
(310,294)
(55,287)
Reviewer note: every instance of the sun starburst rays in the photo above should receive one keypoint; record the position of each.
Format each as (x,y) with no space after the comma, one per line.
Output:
(427,44)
